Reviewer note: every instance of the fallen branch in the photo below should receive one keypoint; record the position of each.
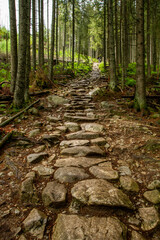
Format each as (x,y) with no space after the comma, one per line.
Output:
(5,139)
(18,114)
(4,83)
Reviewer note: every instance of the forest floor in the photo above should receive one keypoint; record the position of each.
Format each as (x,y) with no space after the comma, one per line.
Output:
(101,160)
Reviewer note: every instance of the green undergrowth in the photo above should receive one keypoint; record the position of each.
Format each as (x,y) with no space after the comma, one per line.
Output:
(4,72)
(101,67)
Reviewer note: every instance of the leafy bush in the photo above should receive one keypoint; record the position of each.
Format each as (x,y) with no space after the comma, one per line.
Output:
(130,82)
(131,70)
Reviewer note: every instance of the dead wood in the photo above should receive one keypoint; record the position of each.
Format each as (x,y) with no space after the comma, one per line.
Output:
(5,139)
(18,114)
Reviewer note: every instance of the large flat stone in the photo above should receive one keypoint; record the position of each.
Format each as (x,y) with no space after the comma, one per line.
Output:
(78,162)
(100,192)
(36,157)
(70,174)
(72,126)
(73,227)
(56,100)
(92,127)
(35,223)
(150,218)
(104,171)
(82,135)
(73,143)
(83,151)
(137,236)
(43,171)
(54,194)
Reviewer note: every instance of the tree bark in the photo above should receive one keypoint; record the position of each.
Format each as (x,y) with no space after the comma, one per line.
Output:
(73,31)
(13,33)
(65,32)
(148,40)
(57,31)
(34,34)
(52,43)
(20,83)
(111,48)
(104,32)
(140,97)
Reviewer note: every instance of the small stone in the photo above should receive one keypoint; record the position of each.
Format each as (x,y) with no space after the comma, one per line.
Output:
(70,174)
(94,92)
(124,170)
(83,151)
(33,111)
(154,184)
(39,149)
(52,138)
(52,119)
(72,126)
(133,221)
(54,194)
(129,184)
(36,157)
(17,211)
(62,128)
(43,171)
(92,127)
(150,218)
(98,141)
(10,174)
(152,196)
(73,143)
(51,158)
(30,175)
(34,133)
(136,236)
(35,223)
(104,171)
(49,128)
(22,237)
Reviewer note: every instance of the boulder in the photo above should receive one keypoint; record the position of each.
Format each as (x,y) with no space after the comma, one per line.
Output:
(72,227)
(70,174)
(100,192)
(56,100)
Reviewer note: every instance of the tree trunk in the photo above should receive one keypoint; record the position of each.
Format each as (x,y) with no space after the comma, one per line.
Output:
(28,62)
(140,98)
(65,32)
(73,31)
(48,29)
(52,42)
(148,41)
(116,33)
(57,31)
(104,44)
(13,36)
(20,83)
(111,48)
(34,34)
(123,42)
(42,34)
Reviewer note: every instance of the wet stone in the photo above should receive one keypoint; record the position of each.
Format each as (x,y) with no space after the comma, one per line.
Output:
(36,157)
(152,196)
(73,143)
(104,171)
(70,174)
(83,151)
(150,218)
(100,192)
(129,184)
(35,223)
(43,171)
(78,162)
(82,135)
(71,227)
(54,194)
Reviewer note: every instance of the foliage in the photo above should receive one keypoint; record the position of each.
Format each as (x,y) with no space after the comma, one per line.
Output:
(130,82)
(4,72)
(101,67)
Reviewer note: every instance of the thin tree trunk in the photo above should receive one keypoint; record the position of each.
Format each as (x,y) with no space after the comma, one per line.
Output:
(111,48)
(57,31)
(104,44)
(73,31)
(34,34)
(123,44)
(116,34)
(42,34)
(13,36)
(140,98)
(52,43)
(28,62)
(20,83)
(65,32)
(148,41)
(48,28)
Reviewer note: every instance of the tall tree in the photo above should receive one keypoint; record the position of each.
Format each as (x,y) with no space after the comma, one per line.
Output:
(57,31)
(105,4)
(52,43)
(148,40)
(65,31)
(140,97)
(34,34)
(20,83)
(13,34)
(111,47)
(48,28)
(73,31)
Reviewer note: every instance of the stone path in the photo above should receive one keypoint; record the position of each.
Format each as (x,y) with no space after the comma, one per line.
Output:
(90,199)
